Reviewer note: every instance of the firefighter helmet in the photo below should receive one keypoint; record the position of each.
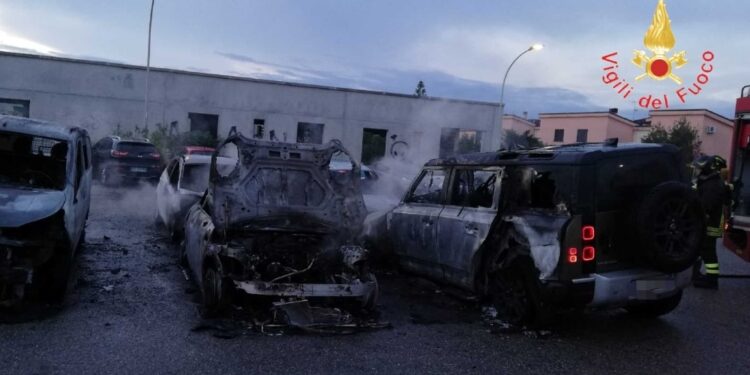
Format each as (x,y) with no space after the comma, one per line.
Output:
(710,164)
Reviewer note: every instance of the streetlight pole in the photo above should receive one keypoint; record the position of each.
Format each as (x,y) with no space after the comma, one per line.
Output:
(495,138)
(148,65)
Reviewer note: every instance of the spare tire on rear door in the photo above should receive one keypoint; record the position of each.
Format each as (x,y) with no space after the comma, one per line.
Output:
(670,227)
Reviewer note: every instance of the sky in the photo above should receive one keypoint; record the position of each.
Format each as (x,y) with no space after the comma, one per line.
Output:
(460,49)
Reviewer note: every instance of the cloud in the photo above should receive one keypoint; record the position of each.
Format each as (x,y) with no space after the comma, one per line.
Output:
(16,43)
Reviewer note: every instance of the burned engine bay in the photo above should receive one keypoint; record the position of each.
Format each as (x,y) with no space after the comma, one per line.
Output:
(281,233)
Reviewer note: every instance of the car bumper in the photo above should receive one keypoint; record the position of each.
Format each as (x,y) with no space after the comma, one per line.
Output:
(306,290)
(620,288)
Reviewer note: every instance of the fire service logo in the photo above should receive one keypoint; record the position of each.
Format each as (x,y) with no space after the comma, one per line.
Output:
(659,65)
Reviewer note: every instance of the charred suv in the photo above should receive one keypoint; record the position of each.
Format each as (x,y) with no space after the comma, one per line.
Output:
(585,225)
(279,223)
(45,179)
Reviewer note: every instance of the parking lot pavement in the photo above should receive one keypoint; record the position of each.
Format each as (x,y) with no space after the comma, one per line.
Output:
(132,311)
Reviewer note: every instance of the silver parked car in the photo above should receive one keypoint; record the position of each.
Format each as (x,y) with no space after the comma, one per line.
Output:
(279,223)
(45,191)
(181,184)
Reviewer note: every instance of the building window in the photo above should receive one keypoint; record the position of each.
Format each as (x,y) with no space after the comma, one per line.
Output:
(14,107)
(455,141)
(205,123)
(308,132)
(559,135)
(581,136)
(259,128)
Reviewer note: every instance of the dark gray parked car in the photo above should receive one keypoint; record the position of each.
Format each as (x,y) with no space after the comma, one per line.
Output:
(279,223)
(586,225)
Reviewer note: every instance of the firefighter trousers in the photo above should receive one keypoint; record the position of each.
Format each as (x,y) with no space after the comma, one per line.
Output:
(708,254)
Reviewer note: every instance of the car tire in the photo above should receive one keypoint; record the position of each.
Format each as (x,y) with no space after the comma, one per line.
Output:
(54,276)
(515,294)
(215,292)
(654,309)
(369,302)
(670,227)
(103,176)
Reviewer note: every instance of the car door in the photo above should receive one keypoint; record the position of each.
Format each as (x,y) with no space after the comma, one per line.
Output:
(81,188)
(166,191)
(465,221)
(413,223)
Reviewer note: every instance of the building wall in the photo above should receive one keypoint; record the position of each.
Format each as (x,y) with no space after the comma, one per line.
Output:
(101,96)
(619,128)
(600,126)
(719,143)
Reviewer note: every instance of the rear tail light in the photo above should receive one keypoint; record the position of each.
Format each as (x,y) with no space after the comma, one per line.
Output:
(588,253)
(588,233)
(118,154)
(572,255)
(155,155)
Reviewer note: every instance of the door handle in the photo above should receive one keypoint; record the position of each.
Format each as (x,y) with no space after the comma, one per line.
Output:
(471,229)
(427,221)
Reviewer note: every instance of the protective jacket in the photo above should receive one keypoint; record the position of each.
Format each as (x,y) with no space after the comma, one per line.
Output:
(713,194)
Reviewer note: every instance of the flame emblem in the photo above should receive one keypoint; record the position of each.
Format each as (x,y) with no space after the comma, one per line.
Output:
(659,40)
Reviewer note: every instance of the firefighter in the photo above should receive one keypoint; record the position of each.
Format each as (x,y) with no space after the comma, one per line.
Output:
(712,194)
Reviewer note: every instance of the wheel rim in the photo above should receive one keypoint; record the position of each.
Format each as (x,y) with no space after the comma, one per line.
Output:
(674,223)
(211,288)
(510,298)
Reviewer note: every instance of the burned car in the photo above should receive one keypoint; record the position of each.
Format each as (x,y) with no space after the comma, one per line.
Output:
(279,223)
(180,186)
(533,232)
(45,180)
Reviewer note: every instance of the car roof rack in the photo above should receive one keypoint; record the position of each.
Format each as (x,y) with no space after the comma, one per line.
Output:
(609,142)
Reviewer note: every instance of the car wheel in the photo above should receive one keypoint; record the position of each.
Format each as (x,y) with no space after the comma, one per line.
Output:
(104,176)
(53,277)
(670,227)
(216,293)
(369,302)
(653,309)
(514,293)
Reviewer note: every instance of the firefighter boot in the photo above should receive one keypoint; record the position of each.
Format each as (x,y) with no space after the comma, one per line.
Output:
(706,282)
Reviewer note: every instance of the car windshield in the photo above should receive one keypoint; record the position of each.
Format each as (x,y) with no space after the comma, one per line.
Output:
(136,148)
(32,161)
(195,177)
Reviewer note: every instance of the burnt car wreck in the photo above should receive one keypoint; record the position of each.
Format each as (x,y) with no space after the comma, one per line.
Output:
(279,224)
(45,179)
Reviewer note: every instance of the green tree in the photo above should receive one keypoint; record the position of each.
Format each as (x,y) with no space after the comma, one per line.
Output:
(527,140)
(685,137)
(682,135)
(657,135)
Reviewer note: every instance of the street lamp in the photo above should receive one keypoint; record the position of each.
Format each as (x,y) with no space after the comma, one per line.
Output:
(148,66)
(496,139)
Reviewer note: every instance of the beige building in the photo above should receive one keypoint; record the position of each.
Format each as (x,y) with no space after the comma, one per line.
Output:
(562,128)
(714,131)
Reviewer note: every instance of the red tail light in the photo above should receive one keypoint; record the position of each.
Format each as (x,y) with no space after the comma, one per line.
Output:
(155,155)
(118,154)
(588,253)
(572,255)
(588,233)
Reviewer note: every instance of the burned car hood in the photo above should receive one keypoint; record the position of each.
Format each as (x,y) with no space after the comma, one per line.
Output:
(22,206)
(285,185)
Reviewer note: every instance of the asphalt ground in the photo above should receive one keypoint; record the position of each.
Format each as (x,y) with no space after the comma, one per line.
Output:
(132,311)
